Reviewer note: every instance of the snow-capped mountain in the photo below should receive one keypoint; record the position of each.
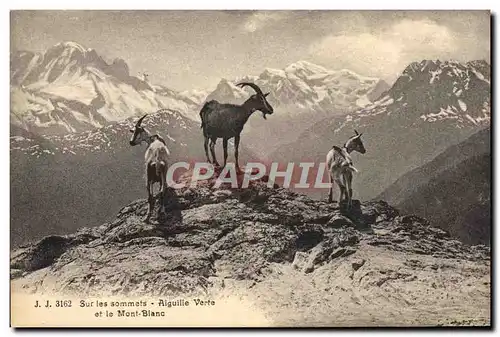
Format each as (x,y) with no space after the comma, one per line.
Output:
(436,91)
(430,107)
(70,88)
(301,94)
(176,129)
(306,87)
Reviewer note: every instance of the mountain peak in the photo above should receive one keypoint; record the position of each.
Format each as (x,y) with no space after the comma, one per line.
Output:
(225,84)
(308,64)
(453,91)
(427,64)
(305,87)
(308,67)
(270,72)
(481,64)
(73,45)
(478,61)
(63,53)
(227,91)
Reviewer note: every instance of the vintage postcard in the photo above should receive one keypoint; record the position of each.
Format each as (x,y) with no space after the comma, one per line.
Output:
(250,168)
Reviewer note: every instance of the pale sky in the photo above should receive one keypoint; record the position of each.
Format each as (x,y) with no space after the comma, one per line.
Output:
(195,49)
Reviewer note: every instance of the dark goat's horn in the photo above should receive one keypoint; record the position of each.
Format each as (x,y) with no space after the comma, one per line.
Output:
(252,85)
(140,121)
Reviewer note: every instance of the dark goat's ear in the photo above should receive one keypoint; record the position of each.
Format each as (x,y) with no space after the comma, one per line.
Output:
(132,130)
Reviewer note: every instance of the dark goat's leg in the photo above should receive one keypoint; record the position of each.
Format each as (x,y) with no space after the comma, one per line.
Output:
(206,149)
(213,141)
(224,145)
(236,146)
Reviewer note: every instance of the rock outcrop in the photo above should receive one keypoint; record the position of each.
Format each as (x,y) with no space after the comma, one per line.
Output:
(305,262)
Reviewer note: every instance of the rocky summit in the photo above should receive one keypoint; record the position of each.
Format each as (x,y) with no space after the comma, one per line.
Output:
(301,262)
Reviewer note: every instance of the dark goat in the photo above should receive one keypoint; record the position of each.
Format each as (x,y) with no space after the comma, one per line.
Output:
(155,158)
(223,120)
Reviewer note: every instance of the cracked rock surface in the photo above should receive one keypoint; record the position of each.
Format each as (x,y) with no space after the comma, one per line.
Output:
(303,262)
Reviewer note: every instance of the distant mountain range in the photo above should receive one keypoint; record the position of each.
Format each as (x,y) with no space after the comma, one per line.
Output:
(453,190)
(303,93)
(304,87)
(70,89)
(430,107)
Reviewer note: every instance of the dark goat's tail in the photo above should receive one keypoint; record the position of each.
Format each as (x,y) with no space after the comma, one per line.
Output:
(207,107)
(202,114)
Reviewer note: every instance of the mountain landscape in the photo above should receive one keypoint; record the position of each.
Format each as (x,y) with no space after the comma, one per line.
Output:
(70,115)
(269,257)
(389,111)
(431,106)
(301,94)
(71,111)
(85,177)
(453,191)
(413,251)
(70,88)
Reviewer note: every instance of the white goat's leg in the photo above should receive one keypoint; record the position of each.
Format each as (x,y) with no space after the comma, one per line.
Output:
(224,146)
(330,193)
(341,186)
(163,188)
(349,188)
(150,200)
(347,181)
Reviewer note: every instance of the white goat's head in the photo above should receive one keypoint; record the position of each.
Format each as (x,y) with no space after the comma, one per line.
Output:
(139,134)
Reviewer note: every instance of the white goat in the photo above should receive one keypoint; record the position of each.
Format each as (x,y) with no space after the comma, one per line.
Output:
(340,167)
(155,158)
